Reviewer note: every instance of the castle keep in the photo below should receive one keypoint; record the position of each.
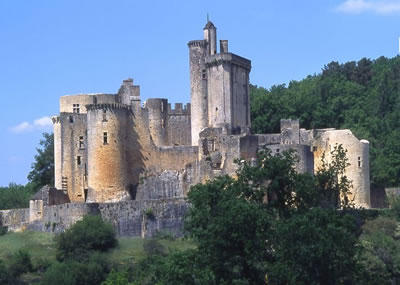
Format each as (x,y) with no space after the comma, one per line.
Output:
(115,154)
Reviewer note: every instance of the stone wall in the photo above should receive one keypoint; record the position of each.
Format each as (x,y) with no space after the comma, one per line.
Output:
(129,218)
(179,125)
(15,219)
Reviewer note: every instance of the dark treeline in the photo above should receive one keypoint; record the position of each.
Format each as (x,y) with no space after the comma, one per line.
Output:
(363,96)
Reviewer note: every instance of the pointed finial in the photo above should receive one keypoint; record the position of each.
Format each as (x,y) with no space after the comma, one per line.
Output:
(208,19)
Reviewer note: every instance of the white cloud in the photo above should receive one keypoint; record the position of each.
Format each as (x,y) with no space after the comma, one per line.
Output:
(362,6)
(43,122)
(40,124)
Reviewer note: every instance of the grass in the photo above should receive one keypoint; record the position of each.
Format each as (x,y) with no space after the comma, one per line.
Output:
(41,245)
(131,249)
(38,244)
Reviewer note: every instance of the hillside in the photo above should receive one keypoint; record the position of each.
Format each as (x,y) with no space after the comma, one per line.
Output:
(363,96)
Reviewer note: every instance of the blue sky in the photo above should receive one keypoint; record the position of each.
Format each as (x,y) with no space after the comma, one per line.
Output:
(54,48)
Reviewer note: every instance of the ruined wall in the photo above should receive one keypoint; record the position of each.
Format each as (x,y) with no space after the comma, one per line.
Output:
(305,155)
(198,88)
(71,154)
(179,125)
(358,157)
(109,128)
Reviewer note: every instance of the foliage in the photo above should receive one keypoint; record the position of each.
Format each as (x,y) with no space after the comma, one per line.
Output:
(42,172)
(15,196)
(20,263)
(73,272)
(363,96)
(272,224)
(153,247)
(116,278)
(380,255)
(315,247)
(89,234)
(4,275)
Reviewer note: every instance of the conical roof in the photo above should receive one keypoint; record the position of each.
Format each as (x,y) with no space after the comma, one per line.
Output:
(209,25)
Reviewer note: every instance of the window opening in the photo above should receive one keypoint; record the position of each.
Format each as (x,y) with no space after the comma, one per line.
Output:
(203,74)
(105,138)
(359,161)
(78,160)
(75,108)
(104,115)
(81,143)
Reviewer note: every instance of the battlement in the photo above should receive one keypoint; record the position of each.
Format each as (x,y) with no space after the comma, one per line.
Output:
(109,106)
(197,43)
(227,57)
(180,109)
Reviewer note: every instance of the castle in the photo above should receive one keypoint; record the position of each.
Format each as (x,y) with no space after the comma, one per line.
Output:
(113,150)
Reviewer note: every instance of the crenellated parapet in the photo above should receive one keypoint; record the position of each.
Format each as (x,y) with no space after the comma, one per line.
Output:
(179,109)
(109,106)
(197,43)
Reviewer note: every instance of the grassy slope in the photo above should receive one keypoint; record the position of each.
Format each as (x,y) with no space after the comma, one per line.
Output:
(41,245)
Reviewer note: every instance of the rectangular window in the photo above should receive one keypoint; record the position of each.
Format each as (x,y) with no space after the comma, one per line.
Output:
(81,143)
(359,161)
(105,138)
(75,108)
(203,74)
(78,160)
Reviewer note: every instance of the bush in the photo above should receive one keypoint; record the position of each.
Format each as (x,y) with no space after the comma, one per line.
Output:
(153,247)
(73,272)
(116,278)
(20,263)
(92,233)
(4,276)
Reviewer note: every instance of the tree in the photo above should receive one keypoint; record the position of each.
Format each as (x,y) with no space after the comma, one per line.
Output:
(42,172)
(269,225)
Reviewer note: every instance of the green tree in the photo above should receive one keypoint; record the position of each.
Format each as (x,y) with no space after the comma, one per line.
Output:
(15,196)
(42,172)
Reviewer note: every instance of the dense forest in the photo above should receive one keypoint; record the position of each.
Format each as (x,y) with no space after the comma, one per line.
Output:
(362,96)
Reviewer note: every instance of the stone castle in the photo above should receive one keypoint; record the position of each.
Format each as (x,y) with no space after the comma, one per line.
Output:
(114,154)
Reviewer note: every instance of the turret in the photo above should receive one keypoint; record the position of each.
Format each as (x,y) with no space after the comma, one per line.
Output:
(210,35)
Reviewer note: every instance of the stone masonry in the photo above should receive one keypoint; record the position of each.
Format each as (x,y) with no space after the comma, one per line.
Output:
(117,157)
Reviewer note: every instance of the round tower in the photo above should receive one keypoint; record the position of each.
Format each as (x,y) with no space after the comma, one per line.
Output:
(107,137)
(158,120)
(198,88)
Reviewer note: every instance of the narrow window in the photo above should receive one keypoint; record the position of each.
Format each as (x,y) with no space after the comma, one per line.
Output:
(78,160)
(75,108)
(105,138)
(162,107)
(359,161)
(104,115)
(81,143)
(71,120)
(203,74)
(277,150)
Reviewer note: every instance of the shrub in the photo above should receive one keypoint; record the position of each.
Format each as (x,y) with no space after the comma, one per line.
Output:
(116,278)
(4,276)
(92,233)
(20,263)
(153,247)
(73,272)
